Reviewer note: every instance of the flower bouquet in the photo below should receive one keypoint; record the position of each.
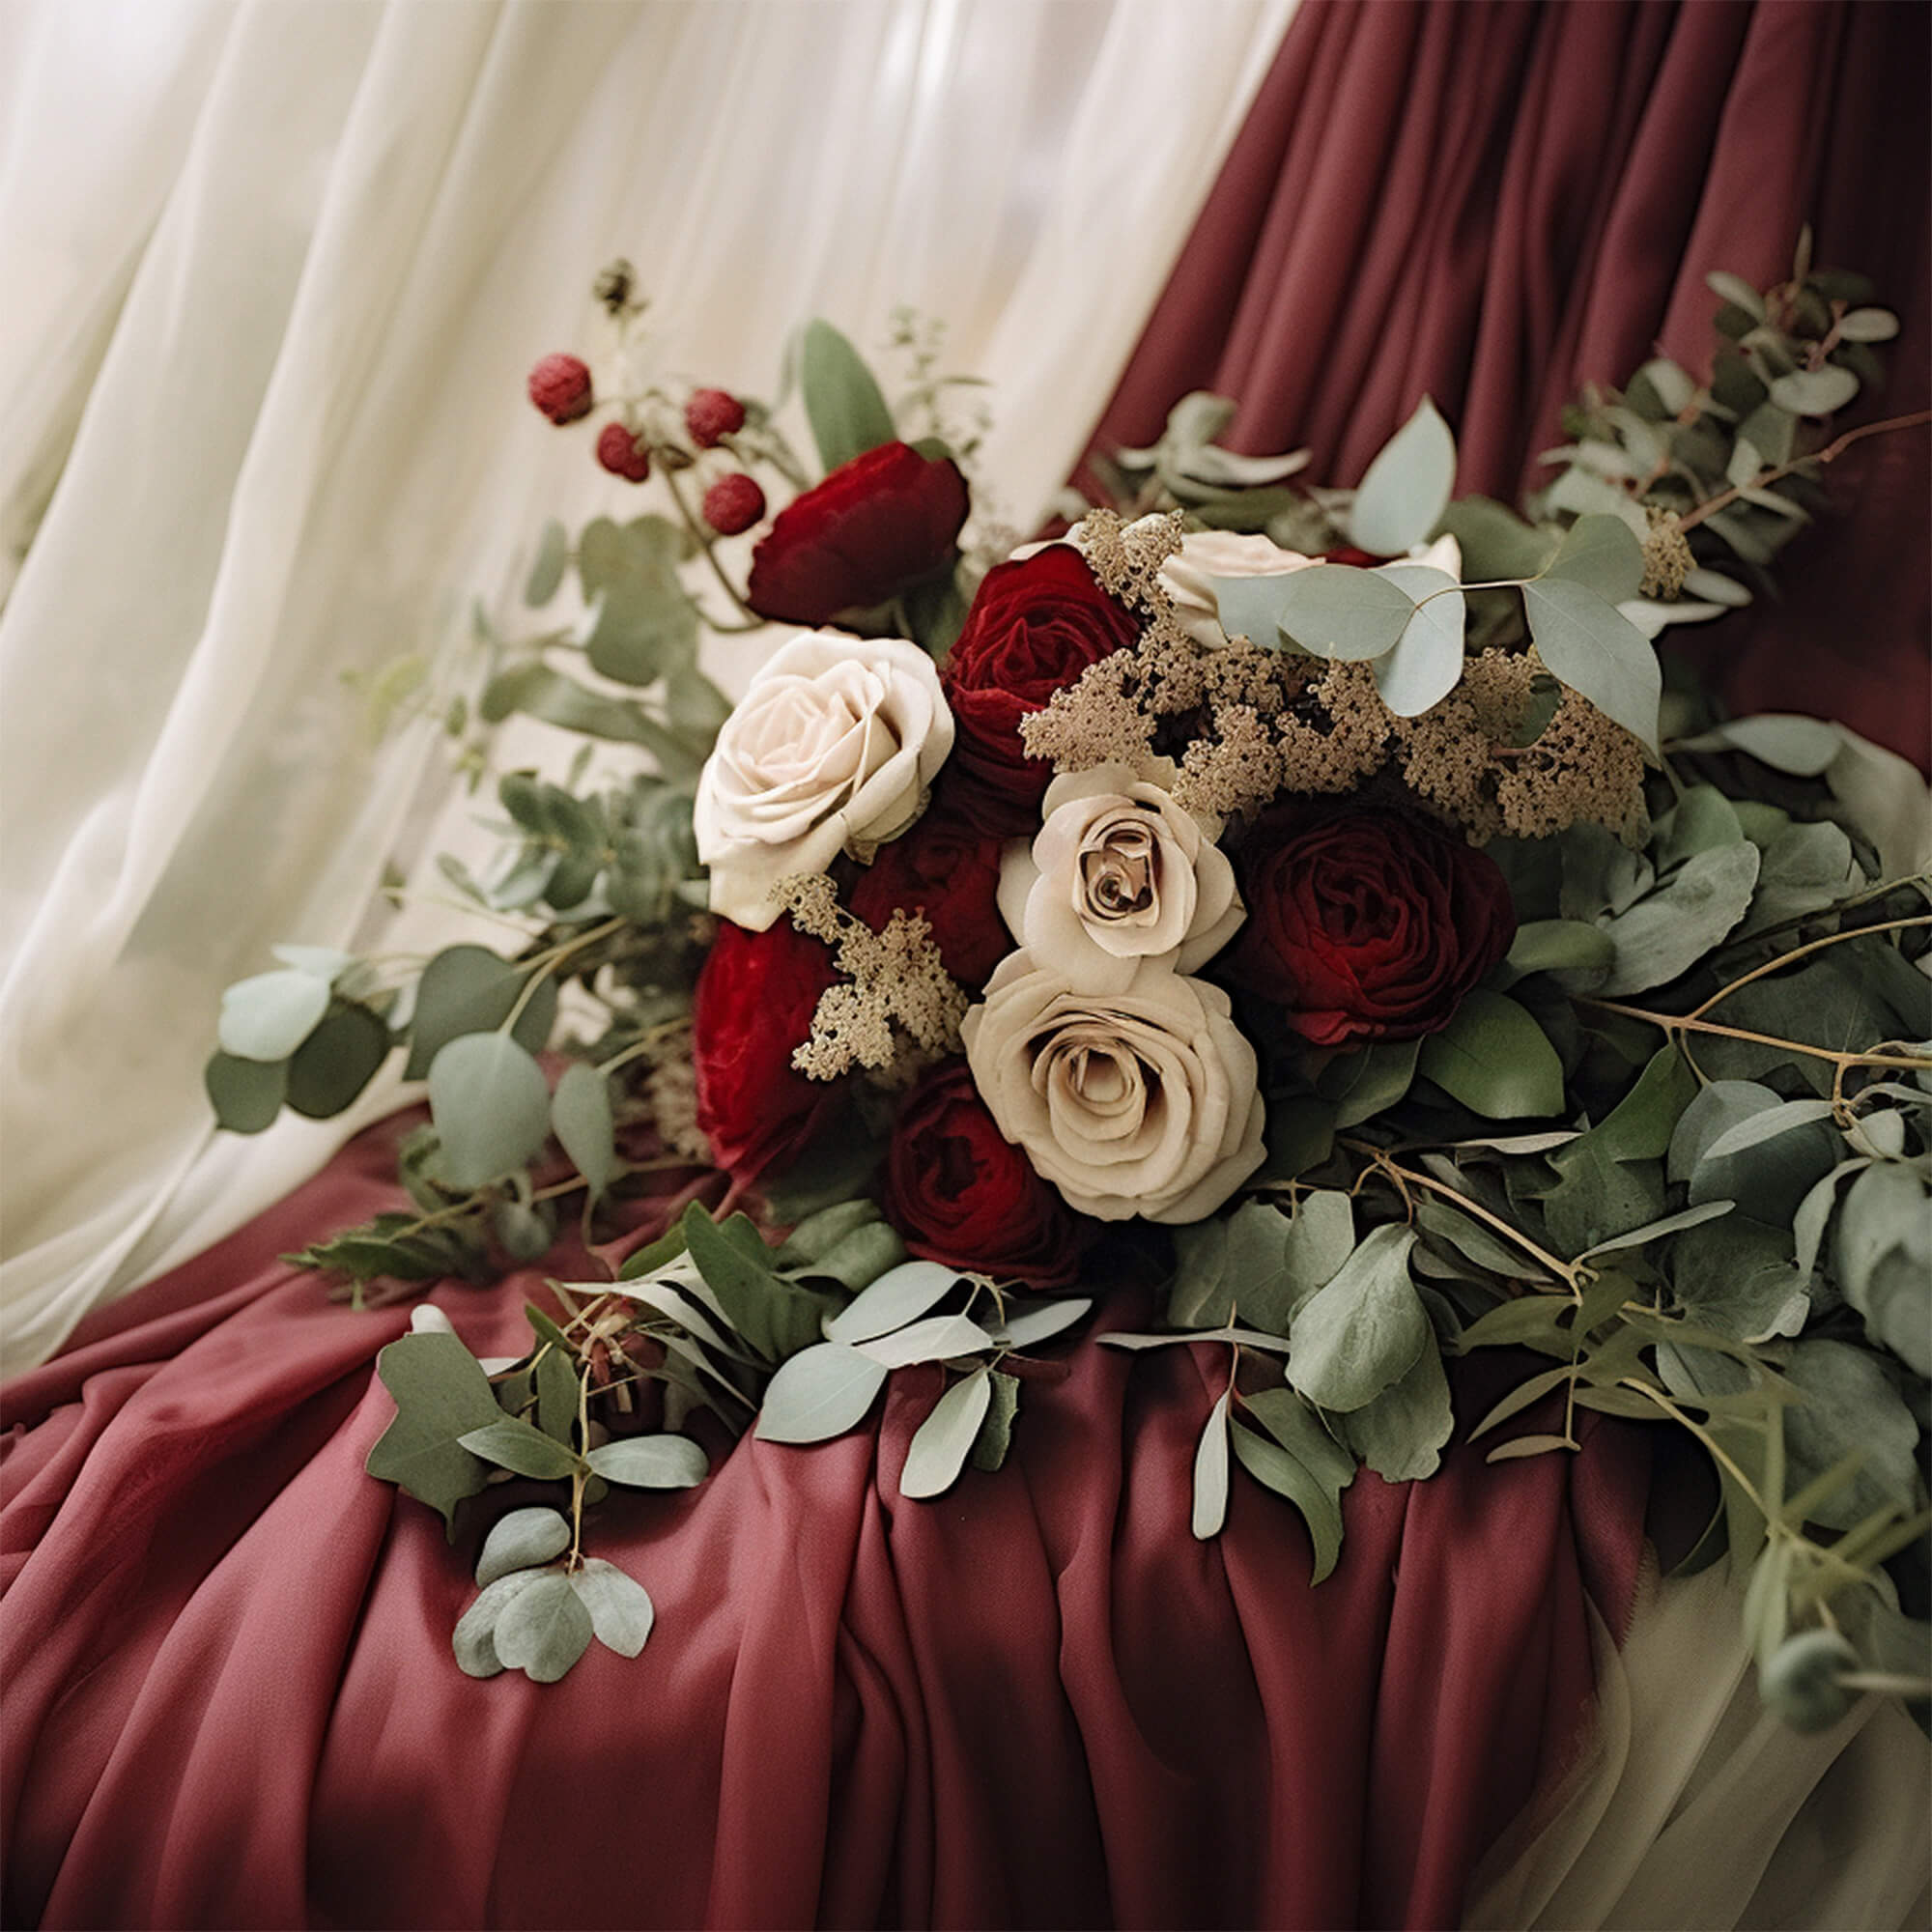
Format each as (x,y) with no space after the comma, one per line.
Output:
(1306,912)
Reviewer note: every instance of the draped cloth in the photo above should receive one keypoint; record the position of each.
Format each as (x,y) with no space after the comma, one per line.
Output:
(1494,203)
(231,1699)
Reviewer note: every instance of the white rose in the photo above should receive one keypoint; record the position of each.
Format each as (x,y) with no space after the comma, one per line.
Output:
(1120,874)
(831,749)
(1206,553)
(1143,1102)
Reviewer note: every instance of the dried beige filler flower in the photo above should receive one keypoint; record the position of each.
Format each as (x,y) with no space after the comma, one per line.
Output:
(1248,725)
(1666,554)
(670,1092)
(898,994)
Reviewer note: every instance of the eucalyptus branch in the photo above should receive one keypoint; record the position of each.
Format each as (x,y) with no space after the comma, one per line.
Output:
(1675,1023)
(545,963)
(1727,497)
(1783,960)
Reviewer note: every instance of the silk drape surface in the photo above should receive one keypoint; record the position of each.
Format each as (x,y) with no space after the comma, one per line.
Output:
(1037,1701)
(1493,203)
(273,272)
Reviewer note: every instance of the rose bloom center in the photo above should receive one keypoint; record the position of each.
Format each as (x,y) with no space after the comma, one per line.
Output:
(1116,875)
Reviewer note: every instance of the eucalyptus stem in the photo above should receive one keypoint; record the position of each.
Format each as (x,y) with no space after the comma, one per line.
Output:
(1727,497)
(545,963)
(1672,1023)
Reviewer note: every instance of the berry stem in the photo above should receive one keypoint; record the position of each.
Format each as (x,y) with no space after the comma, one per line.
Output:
(704,542)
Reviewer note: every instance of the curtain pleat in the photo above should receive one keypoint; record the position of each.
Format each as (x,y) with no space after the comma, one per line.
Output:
(1493,203)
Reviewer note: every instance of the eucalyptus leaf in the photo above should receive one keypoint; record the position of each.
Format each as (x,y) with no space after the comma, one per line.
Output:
(938,1338)
(1852,1405)
(544,1628)
(1427,661)
(1365,1082)
(1655,1231)
(1400,1434)
(1550,944)
(521,1540)
(996,1426)
(491,1108)
(246,1094)
(1363,1329)
(1210,1471)
(1814,392)
(819,1392)
(1406,487)
(860,1258)
(1494,541)
(1337,612)
(1666,932)
(942,1443)
(775,1316)
(1882,1257)
(899,1295)
(475,1637)
(1042,1321)
(580,1112)
(619,1606)
(333,1065)
(1318,1499)
(520,1446)
(1495,1059)
(548,566)
(1600,554)
(467,989)
(1868,324)
(266,1017)
(1600,655)
(663,1461)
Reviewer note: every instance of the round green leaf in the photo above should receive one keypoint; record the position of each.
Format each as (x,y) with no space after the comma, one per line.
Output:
(1598,653)
(1335,610)
(548,566)
(1600,553)
(1427,661)
(475,1637)
(523,1540)
(469,989)
(246,1094)
(337,1061)
(621,1609)
(1814,392)
(491,1107)
(1406,487)
(1362,1331)
(580,1112)
(544,1628)
(1868,324)
(269,1016)
(819,1392)
(1494,1058)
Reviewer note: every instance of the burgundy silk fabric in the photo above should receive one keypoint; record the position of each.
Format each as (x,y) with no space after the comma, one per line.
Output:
(230,1699)
(1494,202)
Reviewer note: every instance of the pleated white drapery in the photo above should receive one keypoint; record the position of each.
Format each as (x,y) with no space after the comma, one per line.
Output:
(272,273)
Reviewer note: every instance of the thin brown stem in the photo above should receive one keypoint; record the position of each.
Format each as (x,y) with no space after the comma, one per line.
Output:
(1727,497)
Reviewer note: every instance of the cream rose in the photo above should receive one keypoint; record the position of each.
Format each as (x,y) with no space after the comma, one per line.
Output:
(831,749)
(1119,873)
(1142,1102)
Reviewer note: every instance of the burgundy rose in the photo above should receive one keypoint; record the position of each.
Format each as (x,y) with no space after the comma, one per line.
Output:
(960,1192)
(1366,922)
(754,1005)
(1034,628)
(950,872)
(876,525)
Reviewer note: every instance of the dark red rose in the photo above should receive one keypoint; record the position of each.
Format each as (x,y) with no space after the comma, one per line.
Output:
(950,872)
(1034,628)
(960,1192)
(1367,922)
(753,1004)
(876,525)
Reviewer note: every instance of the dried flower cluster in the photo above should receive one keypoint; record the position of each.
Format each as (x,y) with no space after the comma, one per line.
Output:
(670,1092)
(1249,726)
(1666,554)
(900,1007)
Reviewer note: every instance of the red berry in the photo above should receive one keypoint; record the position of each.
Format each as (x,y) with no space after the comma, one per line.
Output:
(623,454)
(712,413)
(560,387)
(733,503)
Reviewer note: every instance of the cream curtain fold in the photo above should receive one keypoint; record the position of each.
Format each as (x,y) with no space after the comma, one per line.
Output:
(275,271)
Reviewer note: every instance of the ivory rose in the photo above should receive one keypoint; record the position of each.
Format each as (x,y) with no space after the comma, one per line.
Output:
(1119,873)
(831,749)
(1142,1102)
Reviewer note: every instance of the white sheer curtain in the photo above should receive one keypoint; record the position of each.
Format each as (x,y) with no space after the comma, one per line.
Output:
(272,273)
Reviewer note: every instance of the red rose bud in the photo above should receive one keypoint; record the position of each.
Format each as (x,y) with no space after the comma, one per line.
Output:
(560,387)
(712,413)
(960,1193)
(876,525)
(950,872)
(1034,628)
(733,504)
(753,1004)
(1366,922)
(623,454)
